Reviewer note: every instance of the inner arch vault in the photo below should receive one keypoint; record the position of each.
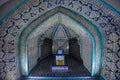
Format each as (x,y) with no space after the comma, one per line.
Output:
(77,22)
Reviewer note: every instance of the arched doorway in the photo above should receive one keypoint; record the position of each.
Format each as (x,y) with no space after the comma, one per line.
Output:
(95,38)
(94,12)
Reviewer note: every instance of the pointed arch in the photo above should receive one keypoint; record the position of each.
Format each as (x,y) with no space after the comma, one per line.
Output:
(88,26)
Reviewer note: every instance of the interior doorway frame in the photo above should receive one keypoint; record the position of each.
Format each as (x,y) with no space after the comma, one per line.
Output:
(24,59)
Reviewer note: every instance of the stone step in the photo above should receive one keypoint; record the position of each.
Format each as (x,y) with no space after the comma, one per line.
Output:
(62,78)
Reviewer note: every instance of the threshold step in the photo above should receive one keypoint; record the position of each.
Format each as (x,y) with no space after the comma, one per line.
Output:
(61,78)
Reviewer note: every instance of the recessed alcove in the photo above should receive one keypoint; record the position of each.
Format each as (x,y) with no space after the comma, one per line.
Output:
(87,32)
(60,25)
(59,35)
(63,31)
(55,37)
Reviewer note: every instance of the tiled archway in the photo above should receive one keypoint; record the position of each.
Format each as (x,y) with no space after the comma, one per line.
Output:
(93,10)
(89,28)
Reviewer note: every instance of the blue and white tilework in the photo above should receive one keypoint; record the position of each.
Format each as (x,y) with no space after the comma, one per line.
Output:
(94,10)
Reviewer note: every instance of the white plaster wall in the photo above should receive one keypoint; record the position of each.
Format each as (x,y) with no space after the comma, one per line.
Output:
(86,50)
(32,51)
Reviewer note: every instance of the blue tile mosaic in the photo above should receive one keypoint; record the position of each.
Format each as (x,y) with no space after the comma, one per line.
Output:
(97,15)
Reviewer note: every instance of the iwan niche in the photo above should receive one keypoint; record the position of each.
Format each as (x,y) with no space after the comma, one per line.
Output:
(81,27)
